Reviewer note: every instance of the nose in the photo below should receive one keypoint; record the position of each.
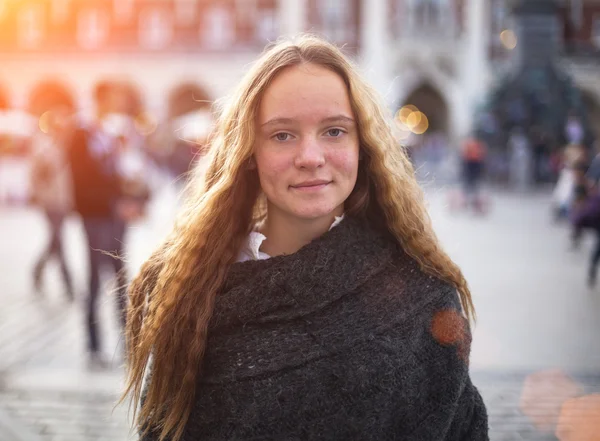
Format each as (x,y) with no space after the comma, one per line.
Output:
(310,154)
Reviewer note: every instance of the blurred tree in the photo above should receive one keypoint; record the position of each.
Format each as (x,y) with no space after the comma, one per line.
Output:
(4,102)
(536,95)
(49,94)
(186,98)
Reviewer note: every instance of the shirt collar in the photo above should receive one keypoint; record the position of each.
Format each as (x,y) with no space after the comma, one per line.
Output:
(252,249)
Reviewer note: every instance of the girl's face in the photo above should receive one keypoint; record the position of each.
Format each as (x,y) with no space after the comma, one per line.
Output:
(307,144)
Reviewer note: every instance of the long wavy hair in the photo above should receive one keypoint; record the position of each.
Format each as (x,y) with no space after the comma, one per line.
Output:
(173,295)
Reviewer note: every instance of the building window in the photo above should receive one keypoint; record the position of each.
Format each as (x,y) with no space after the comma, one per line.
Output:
(596,31)
(60,11)
(156,28)
(577,13)
(267,26)
(92,28)
(218,31)
(428,15)
(123,11)
(185,12)
(31,25)
(336,17)
(247,9)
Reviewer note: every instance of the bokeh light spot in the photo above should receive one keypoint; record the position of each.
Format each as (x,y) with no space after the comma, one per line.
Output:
(448,327)
(543,395)
(422,126)
(508,39)
(45,121)
(580,419)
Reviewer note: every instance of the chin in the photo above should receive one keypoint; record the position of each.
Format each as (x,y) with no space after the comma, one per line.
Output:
(314,211)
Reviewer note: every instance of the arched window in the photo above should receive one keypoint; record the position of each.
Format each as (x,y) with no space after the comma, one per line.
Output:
(60,11)
(92,28)
(267,25)
(31,25)
(427,16)
(428,100)
(336,19)
(218,29)
(156,28)
(123,11)
(185,12)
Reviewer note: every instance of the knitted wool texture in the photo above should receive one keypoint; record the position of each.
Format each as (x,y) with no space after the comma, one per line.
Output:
(347,339)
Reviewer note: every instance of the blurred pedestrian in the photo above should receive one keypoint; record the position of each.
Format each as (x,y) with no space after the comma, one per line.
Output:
(472,154)
(303,293)
(574,131)
(574,160)
(521,160)
(52,189)
(540,145)
(587,216)
(97,190)
(593,172)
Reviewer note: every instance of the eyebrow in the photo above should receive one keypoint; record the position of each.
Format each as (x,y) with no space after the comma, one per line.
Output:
(331,119)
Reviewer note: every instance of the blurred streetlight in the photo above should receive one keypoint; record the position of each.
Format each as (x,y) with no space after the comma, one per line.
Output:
(411,120)
(45,121)
(508,39)
(422,126)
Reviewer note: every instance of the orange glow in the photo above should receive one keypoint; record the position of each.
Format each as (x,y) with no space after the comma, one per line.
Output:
(422,125)
(580,419)
(543,396)
(404,113)
(450,328)
(413,119)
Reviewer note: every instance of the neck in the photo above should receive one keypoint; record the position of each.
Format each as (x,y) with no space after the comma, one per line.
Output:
(286,234)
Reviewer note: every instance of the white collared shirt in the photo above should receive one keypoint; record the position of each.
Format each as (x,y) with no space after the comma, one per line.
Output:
(252,249)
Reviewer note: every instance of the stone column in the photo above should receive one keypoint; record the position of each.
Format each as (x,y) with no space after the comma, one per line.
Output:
(293,17)
(476,44)
(376,52)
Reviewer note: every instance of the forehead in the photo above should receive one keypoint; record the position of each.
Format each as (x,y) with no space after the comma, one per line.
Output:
(305,91)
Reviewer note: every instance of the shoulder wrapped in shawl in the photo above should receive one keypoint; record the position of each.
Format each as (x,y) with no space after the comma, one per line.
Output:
(347,339)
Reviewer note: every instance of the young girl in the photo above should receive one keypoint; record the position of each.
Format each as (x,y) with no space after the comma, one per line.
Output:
(303,294)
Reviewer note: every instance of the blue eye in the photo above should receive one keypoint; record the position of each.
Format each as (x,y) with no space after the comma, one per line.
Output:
(335,133)
(282,136)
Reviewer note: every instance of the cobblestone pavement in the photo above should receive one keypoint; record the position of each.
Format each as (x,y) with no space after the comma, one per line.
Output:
(534,314)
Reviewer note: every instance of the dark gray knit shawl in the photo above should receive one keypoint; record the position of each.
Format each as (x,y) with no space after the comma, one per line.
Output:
(347,339)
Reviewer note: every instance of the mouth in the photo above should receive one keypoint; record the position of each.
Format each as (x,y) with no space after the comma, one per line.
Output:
(311,185)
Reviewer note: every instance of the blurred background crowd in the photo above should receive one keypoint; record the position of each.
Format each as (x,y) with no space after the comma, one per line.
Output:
(490,98)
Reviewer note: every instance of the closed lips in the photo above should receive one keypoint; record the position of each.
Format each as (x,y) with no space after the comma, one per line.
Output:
(309,184)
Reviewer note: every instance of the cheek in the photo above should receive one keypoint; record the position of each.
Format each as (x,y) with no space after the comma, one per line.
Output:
(345,162)
(271,167)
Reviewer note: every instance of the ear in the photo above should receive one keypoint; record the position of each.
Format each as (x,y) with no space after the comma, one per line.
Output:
(251,163)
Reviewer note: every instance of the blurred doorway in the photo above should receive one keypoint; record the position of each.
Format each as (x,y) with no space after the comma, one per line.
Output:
(591,102)
(424,116)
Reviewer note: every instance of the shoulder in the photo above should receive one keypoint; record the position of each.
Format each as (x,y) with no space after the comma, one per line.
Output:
(433,300)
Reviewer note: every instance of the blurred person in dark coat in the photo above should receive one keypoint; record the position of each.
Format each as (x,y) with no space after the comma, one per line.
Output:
(473,154)
(52,188)
(97,190)
(587,216)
